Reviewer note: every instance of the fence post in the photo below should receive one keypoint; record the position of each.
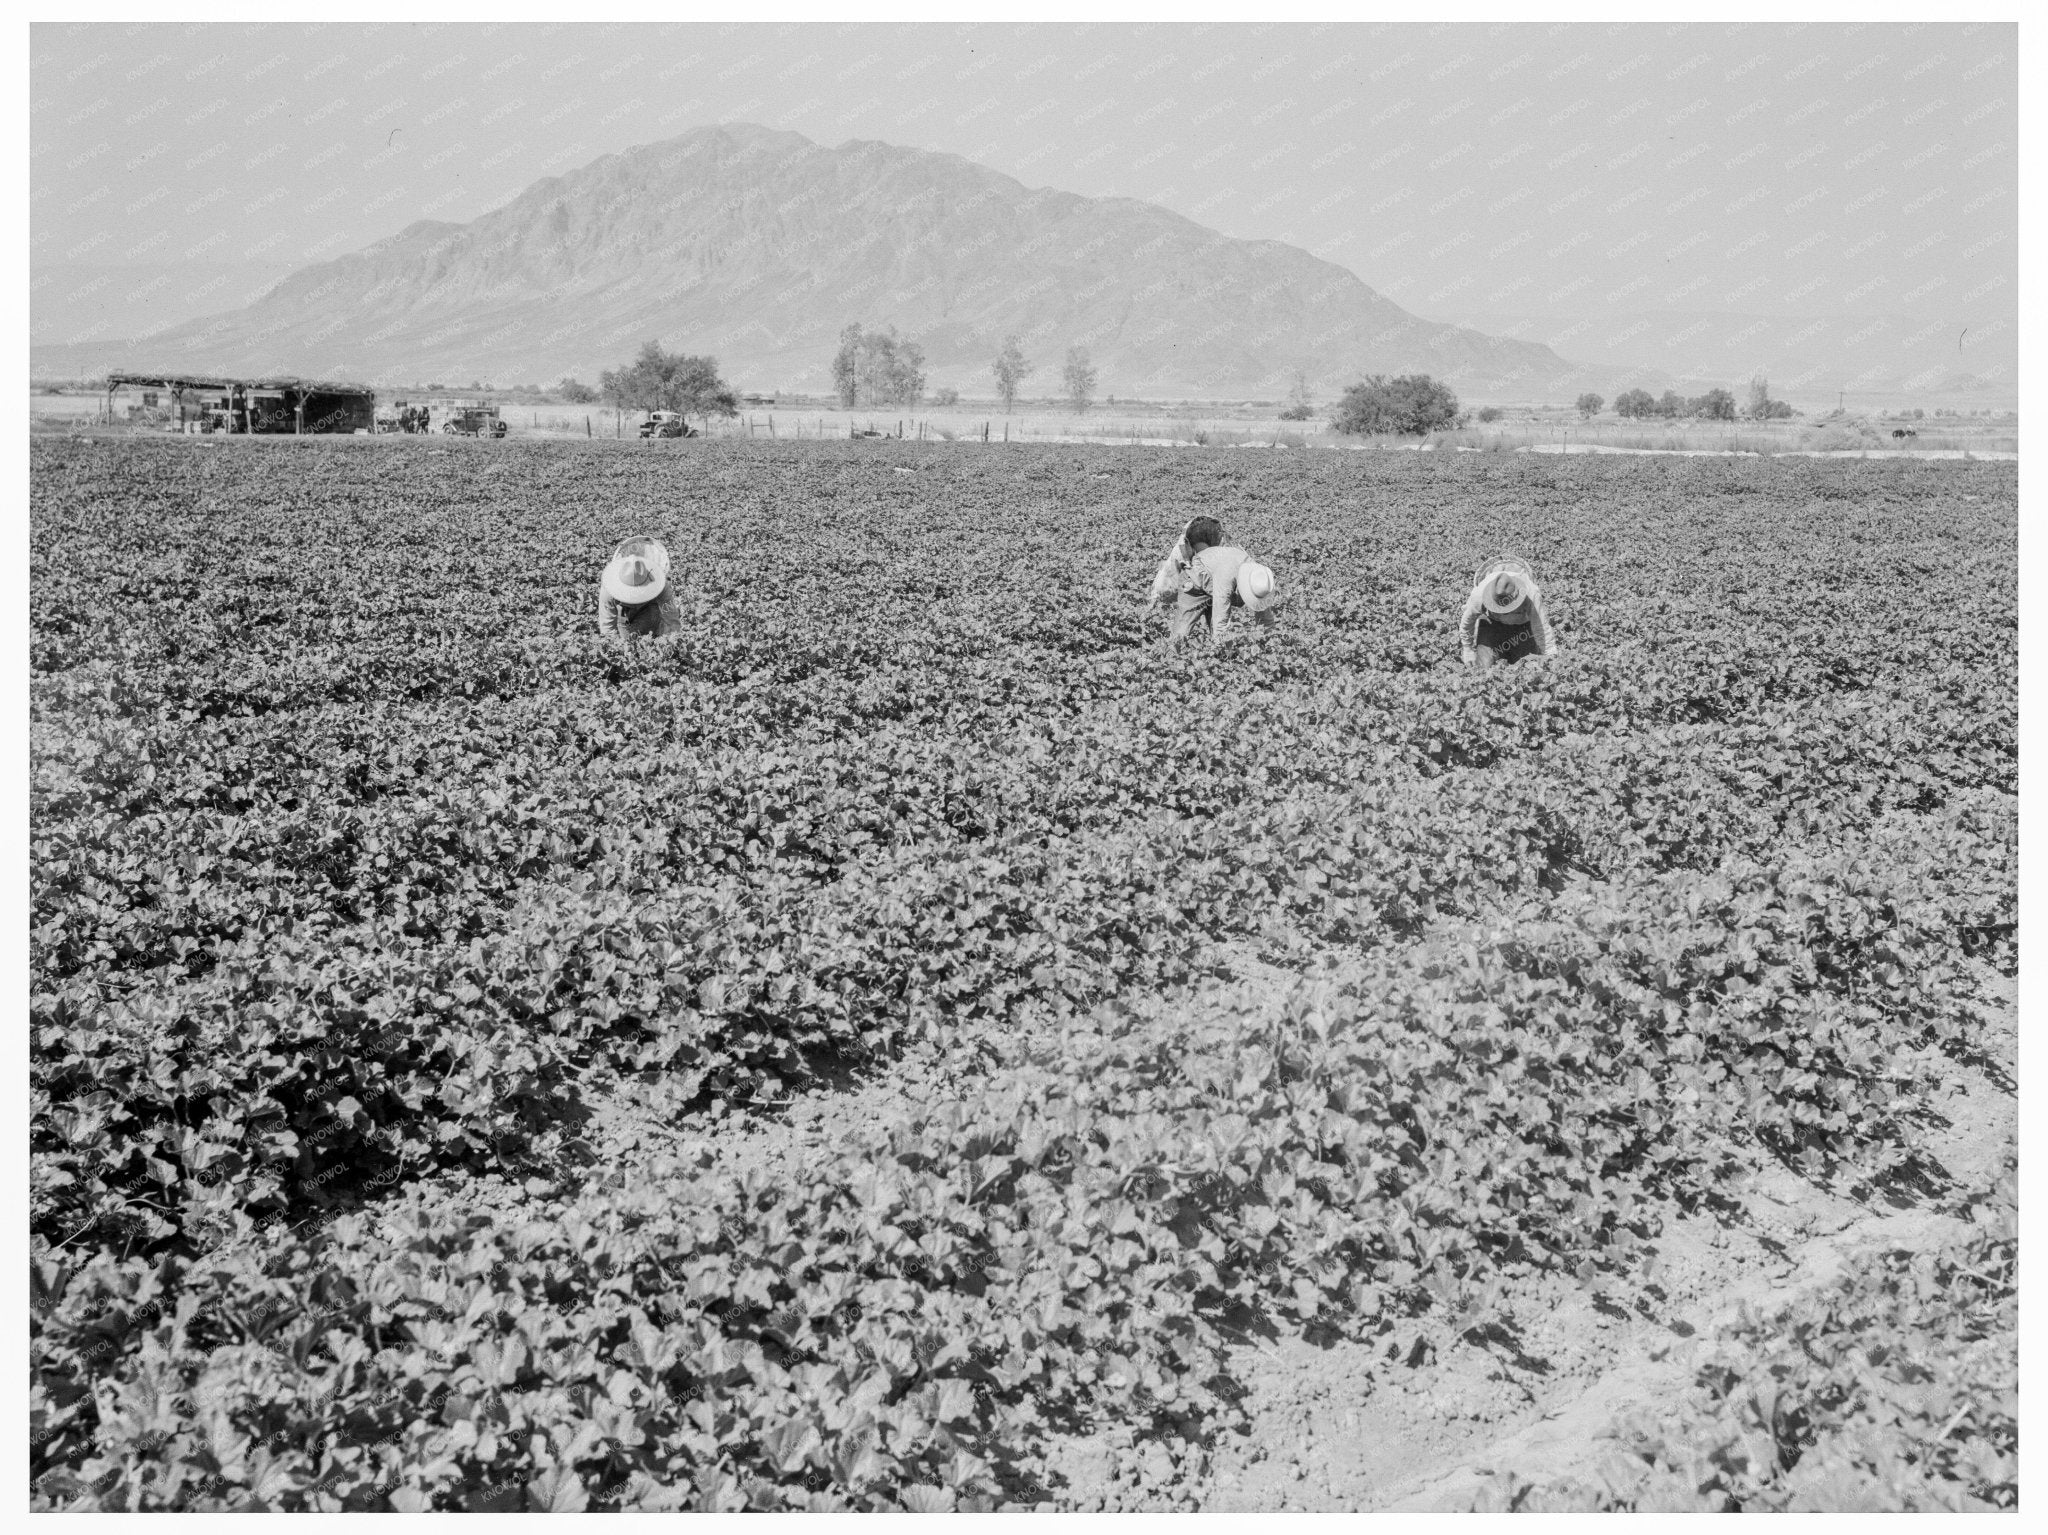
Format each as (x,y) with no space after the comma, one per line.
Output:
(771,423)
(586,424)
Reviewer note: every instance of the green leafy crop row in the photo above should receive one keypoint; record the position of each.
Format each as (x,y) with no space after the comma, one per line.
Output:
(362,873)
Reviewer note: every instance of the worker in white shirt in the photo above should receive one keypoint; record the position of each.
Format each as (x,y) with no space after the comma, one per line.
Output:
(1207,578)
(1503,620)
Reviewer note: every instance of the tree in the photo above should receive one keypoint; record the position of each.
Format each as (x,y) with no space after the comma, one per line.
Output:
(616,387)
(1077,378)
(695,388)
(1589,405)
(1672,404)
(905,372)
(1714,405)
(846,367)
(1010,369)
(877,367)
(1634,402)
(1761,406)
(1299,407)
(577,394)
(677,381)
(1413,405)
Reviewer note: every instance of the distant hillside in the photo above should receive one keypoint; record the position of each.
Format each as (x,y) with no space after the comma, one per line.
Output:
(1808,354)
(82,303)
(758,246)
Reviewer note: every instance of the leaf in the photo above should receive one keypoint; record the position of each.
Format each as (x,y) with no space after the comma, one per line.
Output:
(955,1400)
(559,1491)
(270,1479)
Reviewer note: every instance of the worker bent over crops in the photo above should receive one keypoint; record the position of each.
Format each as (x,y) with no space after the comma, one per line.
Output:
(1503,621)
(1207,578)
(634,598)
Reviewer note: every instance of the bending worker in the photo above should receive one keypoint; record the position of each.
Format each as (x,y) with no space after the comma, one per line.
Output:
(1208,578)
(634,599)
(1503,621)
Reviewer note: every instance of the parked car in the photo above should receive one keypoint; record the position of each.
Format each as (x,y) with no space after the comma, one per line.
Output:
(475,421)
(665,423)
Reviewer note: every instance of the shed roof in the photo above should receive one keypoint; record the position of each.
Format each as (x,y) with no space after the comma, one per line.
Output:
(208,381)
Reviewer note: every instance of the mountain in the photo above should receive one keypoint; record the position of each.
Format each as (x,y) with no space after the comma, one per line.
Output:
(758,246)
(77,302)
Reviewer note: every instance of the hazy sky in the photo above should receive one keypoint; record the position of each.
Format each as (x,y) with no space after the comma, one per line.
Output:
(1535,169)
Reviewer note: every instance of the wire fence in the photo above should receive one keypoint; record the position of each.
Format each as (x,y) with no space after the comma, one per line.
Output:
(1879,437)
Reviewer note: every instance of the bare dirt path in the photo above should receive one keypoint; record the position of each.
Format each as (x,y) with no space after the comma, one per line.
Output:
(1351,1427)
(1347,1428)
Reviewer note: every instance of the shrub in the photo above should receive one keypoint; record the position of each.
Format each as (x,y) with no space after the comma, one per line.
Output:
(1761,406)
(1412,405)
(1589,405)
(947,396)
(1714,405)
(1489,413)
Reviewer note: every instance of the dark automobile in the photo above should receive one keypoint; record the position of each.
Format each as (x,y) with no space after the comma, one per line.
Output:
(475,421)
(665,423)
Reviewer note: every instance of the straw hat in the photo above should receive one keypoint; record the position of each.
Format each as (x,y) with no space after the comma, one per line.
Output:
(1504,592)
(1255,586)
(637,573)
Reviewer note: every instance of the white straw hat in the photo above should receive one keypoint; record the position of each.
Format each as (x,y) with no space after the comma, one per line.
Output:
(1255,586)
(1503,592)
(638,572)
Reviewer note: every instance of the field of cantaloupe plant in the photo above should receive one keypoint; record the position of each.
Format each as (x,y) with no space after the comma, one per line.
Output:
(410,974)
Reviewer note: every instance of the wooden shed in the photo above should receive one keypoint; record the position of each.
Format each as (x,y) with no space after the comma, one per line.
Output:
(293,406)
